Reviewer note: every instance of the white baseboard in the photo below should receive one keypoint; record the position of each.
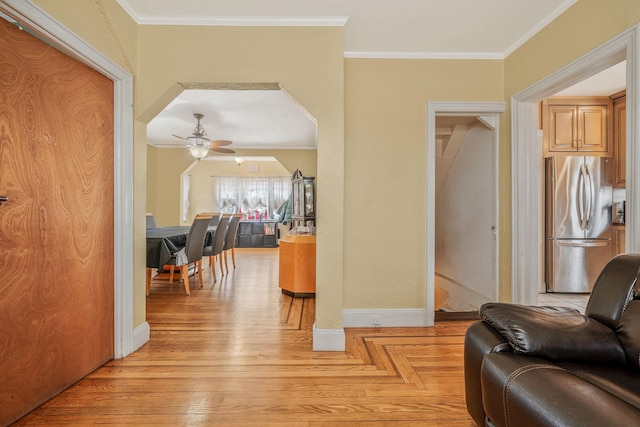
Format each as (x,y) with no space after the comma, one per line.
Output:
(328,339)
(368,318)
(141,336)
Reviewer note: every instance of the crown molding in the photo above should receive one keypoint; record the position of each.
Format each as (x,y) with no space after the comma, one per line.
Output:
(423,55)
(548,19)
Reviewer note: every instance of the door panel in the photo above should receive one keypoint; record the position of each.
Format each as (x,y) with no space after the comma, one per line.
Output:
(56,230)
(599,184)
(563,183)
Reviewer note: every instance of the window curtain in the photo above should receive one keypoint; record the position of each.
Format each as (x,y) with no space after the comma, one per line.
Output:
(186,185)
(250,195)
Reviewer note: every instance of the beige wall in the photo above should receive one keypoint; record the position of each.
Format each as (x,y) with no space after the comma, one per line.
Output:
(102,24)
(583,27)
(385,173)
(308,64)
(166,165)
(372,129)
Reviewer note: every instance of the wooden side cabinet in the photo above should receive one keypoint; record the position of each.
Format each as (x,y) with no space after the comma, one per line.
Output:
(578,125)
(298,264)
(619,140)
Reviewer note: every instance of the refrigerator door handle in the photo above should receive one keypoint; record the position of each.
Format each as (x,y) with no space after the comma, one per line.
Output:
(582,198)
(590,198)
(585,243)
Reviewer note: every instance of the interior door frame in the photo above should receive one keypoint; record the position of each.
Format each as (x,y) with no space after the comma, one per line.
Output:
(489,111)
(527,211)
(50,30)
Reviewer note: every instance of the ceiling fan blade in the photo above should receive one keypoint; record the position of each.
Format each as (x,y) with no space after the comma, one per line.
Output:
(220,143)
(222,150)
(179,137)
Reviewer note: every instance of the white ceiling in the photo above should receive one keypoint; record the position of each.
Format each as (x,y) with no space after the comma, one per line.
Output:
(376,28)
(487,29)
(605,83)
(250,118)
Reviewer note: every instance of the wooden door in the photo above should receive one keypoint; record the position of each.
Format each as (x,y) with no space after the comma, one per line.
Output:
(56,230)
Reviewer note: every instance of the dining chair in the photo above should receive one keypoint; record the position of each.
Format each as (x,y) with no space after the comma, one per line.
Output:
(215,219)
(230,240)
(217,244)
(151,221)
(192,251)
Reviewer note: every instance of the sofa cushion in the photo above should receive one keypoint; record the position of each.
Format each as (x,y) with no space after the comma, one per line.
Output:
(620,381)
(529,392)
(628,331)
(554,333)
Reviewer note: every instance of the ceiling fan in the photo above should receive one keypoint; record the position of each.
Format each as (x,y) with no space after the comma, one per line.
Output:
(199,144)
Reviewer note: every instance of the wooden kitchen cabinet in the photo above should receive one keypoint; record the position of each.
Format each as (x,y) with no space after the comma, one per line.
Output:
(578,125)
(619,139)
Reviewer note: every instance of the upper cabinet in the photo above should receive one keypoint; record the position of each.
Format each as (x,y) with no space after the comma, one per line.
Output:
(581,125)
(619,139)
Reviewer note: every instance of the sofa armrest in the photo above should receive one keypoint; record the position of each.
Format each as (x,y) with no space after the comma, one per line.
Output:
(480,340)
(554,333)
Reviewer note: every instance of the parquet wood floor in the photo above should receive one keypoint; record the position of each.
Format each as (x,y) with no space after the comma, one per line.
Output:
(239,353)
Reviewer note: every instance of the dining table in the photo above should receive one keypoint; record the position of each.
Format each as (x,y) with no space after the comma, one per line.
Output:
(164,242)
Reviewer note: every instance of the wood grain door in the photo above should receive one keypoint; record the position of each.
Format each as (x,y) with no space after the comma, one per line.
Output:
(56,230)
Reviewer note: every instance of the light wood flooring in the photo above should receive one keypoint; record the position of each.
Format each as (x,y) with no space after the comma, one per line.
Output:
(239,353)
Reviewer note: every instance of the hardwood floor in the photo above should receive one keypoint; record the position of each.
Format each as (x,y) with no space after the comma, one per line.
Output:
(239,353)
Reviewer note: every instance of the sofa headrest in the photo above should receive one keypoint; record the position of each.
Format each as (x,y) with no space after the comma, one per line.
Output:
(628,332)
(616,285)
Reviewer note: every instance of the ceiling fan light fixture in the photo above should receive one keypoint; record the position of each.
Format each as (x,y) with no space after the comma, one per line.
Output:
(198,151)
(199,144)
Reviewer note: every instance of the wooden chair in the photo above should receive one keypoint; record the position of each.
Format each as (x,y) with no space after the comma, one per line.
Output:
(230,240)
(192,250)
(217,245)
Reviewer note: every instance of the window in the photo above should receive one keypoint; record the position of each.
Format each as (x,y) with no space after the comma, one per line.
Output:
(256,197)
(186,185)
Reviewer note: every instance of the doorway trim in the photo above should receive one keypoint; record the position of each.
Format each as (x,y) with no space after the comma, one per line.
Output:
(526,191)
(434,108)
(50,30)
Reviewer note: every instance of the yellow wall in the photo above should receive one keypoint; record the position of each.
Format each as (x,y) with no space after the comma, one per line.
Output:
(103,24)
(308,64)
(583,27)
(166,165)
(385,172)
(371,128)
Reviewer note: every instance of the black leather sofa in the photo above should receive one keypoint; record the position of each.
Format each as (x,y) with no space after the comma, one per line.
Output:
(546,366)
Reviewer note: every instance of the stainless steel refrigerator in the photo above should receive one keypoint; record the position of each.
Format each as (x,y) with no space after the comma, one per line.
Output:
(579,237)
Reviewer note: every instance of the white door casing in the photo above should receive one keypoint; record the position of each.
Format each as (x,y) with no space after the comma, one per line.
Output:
(489,111)
(526,163)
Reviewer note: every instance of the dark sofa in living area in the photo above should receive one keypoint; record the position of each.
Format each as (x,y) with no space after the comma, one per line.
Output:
(548,366)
